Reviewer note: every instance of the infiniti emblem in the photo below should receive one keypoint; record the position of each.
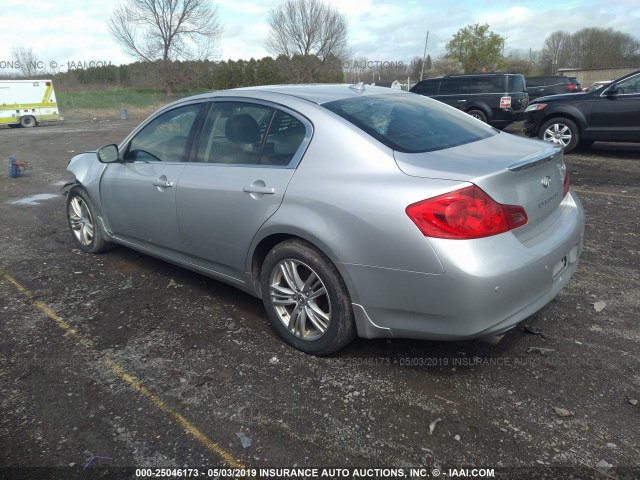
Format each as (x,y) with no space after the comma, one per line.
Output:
(546,181)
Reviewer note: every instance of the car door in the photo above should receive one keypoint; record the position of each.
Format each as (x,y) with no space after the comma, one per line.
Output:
(246,156)
(454,91)
(615,113)
(138,195)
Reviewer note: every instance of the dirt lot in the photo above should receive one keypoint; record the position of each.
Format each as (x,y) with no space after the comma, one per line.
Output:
(121,360)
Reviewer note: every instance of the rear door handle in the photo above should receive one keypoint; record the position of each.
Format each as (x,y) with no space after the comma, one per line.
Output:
(259,189)
(461,101)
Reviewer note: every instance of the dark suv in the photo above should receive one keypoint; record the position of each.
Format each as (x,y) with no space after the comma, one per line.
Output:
(496,98)
(608,114)
(551,85)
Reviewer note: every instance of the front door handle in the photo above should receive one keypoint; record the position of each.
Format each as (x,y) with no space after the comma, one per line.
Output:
(162,183)
(259,189)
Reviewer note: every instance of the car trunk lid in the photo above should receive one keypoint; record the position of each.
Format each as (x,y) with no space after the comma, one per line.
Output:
(510,169)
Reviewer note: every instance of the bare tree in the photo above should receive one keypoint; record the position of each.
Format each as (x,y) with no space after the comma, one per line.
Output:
(27,59)
(591,47)
(166,30)
(556,51)
(307,29)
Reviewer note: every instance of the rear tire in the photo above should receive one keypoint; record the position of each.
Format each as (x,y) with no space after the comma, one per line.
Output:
(306,299)
(560,131)
(28,121)
(479,114)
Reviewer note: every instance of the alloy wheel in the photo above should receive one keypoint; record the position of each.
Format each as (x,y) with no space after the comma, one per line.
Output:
(81,221)
(558,133)
(300,299)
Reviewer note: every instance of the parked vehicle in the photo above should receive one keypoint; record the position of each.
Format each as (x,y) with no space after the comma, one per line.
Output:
(495,98)
(347,210)
(596,85)
(551,85)
(25,103)
(609,114)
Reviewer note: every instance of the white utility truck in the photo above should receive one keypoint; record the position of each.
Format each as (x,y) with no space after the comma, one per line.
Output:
(25,103)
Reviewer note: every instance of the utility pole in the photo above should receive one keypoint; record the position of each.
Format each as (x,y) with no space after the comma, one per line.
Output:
(424,57)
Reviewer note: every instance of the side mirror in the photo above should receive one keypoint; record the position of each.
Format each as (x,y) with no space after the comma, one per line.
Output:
(108,154)
(613,90)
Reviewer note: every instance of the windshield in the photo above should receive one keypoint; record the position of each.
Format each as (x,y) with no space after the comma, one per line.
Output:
(410,123)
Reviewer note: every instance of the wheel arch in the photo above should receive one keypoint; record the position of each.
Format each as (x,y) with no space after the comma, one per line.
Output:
(269,240)
(568,112)
(483,107)
(100,221)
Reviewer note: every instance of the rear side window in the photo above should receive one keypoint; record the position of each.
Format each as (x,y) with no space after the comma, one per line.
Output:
(250,134)
(488,84)
(410,123)
(536,81)
(516,83)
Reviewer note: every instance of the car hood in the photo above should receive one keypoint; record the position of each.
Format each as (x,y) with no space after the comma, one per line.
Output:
(560,97)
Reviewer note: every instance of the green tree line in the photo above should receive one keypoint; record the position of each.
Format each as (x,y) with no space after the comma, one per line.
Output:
(201,74)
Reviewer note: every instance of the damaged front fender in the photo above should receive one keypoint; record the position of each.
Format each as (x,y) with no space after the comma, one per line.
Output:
(88,170)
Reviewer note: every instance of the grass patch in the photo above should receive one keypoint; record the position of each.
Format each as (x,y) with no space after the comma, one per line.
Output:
(115,99)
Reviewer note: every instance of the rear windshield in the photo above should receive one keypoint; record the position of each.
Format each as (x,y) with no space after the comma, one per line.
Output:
(410,123)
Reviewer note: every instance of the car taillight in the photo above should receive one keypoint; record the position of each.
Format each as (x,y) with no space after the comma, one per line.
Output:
(571,87)
(566,183)
(464,214)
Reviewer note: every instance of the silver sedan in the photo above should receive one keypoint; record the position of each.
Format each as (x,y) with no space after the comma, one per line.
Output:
(349,210)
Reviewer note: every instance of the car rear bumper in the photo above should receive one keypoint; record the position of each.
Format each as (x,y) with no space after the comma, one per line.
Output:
(505,116)
(488,287)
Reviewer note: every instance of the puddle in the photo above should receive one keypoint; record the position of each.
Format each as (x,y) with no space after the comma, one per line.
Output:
(34,199)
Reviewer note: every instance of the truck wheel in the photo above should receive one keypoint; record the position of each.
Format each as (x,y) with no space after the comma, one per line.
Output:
(561,131)
(28,122)
(479,114)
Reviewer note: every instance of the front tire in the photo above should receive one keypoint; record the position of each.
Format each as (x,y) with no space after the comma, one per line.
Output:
(82,218)
(306,299)
(560,131)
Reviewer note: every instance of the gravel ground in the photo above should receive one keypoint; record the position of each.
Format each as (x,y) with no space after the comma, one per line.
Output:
(122,360)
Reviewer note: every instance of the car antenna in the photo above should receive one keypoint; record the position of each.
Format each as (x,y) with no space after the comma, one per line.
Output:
(358,87)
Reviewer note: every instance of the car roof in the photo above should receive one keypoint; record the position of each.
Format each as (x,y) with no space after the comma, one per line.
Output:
(315,93)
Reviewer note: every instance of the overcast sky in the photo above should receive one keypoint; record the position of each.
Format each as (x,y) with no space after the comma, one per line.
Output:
(66,31)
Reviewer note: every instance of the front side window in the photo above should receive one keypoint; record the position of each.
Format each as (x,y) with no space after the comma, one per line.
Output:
(165,138)
(426,87)
(410,123)
(453,86)
(629,86)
